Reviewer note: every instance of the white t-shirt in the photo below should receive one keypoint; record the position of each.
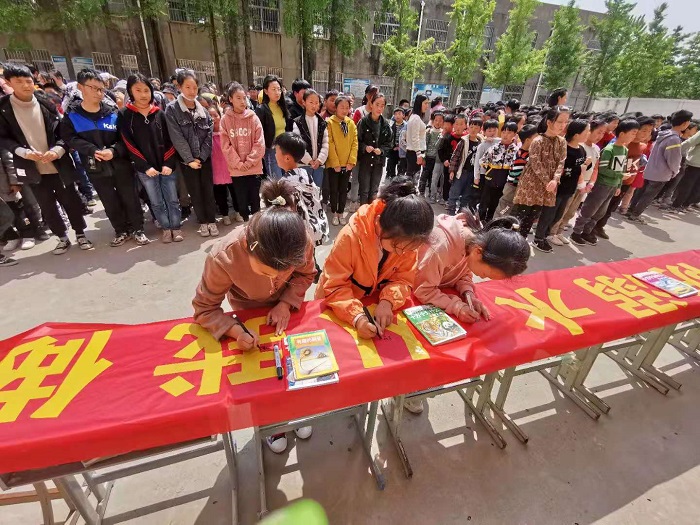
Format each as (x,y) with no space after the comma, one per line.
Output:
(592,151)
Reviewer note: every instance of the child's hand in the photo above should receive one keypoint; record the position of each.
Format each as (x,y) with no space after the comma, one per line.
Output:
(446,163)
(476,181)
(452,176)
(349,167)
(365,329)
(337,170)
(377,151)
(279,316)
(315,164)
(245,341)
(383,315)
(467,315)
(552,186)
(369,149)
(617,193)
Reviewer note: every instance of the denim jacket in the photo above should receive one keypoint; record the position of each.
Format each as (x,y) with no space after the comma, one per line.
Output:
(191,134)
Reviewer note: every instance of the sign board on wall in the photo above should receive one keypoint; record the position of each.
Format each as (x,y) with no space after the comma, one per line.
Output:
(356,86)
(490,95)
(432,91)
(61,64)
(81,63)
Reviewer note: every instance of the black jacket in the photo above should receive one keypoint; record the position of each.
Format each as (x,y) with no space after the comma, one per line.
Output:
(88,132)
(190,134)
(12,137)
(367,137)
(268,123)
(146,138)
(295,111)
(306,134)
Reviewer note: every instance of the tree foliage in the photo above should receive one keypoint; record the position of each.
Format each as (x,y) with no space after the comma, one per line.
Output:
(469,18)
(516,57)
(565,48)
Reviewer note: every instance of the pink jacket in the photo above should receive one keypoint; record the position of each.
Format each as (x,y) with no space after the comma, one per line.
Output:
(243,142)
(218,162)
(443,264)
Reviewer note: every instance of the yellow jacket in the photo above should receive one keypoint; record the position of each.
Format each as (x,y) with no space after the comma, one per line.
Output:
(342,149)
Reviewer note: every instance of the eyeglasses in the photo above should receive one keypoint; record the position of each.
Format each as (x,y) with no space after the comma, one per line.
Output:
(99,91)
(275,89)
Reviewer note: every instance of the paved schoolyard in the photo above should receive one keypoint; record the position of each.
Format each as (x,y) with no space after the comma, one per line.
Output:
(637,465)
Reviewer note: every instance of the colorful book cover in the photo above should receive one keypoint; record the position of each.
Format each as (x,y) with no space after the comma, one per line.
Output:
(435,325)
(667,284)
(293,384)
(311,354)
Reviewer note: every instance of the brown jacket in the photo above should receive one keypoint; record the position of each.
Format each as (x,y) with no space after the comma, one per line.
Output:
(227,273)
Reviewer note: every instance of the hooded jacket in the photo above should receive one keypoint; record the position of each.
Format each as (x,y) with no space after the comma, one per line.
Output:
(665,159)
(191,134)
(242,142)
(146,138)
(443,264)
(87,133)
(352,270)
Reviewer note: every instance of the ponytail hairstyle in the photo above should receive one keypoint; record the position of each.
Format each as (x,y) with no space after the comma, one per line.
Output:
(277,237)
(550,115)
(370,94)
(232,88)
(575,127)
(282,103)
(502,245)
(278,193)
(407,215)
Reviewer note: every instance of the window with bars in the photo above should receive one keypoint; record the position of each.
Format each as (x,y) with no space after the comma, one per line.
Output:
(513,91)
(470,94)
(206,71)
(265,16)
(386,25)
(386,86)
(103,62)
(41,58)
(437,29)
(319,81)
(489,40)
(129,63)
(14,56)
(182,11)
(260,72)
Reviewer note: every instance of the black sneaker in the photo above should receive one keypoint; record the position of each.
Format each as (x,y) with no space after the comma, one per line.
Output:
(85,243)
(62,247)
(543,245)
(119,240)
(140,238)
(637,220)
(600,232)
(590,238)
(577,239)
(7,261)
(42,236)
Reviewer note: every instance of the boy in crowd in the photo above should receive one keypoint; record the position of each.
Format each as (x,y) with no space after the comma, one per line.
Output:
(392,160)
(462,169)
(491,138)
(526,136)
(497,163)
(670,190)
(611,121)
(296,108)
(329,104)
(664,164)
(438,171)
(447,148)
(432,137)
(688,191)
(611,169)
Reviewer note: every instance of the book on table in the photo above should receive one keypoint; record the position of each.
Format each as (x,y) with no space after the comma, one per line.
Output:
(667,284)
(435,325)
(294,384)
(311,355)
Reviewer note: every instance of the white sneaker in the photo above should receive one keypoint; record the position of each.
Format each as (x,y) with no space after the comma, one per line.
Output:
(335,221)
(12,245)
(554,239)
(563,239)
(304,432)
(414,406)
(213,230)
(227,220)
(277,444)
(203,230)
(28,244)
(238,217)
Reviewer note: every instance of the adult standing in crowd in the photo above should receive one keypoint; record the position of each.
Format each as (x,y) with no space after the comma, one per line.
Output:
(415,137)
(190,127)
(273,115)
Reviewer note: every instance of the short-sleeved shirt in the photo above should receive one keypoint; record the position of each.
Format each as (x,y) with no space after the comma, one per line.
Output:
(575,157)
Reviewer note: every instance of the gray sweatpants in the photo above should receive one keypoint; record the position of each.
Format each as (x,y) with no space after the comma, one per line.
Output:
(594,208)
(436,182)
(505,205)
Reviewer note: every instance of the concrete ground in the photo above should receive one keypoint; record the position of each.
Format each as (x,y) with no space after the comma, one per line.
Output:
(638,465)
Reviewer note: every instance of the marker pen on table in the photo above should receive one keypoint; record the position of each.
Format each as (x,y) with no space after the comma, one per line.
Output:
(278,361)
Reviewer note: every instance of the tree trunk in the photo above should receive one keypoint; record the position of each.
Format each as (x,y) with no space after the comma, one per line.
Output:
(160,54)
(332,50)
(247,46)
(232,43)
(215,47)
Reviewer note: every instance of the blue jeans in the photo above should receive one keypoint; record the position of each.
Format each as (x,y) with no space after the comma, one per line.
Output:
(272,170)
(84,185)
(458,192)
(162,192)
(316,174)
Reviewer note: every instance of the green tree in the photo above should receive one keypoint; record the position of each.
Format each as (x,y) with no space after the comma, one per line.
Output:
(611,34)
(628,75)
(304,19)
(689,69)
(660,48)
(516,57)
(565,48)
(346,34)
(469,18)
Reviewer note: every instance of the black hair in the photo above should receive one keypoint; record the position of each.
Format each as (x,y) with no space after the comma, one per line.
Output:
(271,189)
(277,237)
(554,96)
(398,109)
(576,127)
(56,73)
(332,93)
(449,118)
(407,215)
(666,125)
(232,88)
(50,85)
(596,123)
(461,116)
(680,117)
(626,125)
(510,126)
(32,69)
(137,78)
(517,117)
(184,74)
(658,116)
(476,121)
(418,105)
(269,79)
(693,124)
(300,84)
(435,102)
(529,130)
(341,99)
(15,70)
(309,92)
(646,121)
(378,96)
(551,115)
(371,91)
(459,109)
(610,117)
(433,116)
(502,245)
(291,144)
(89,74)
(513,104)
(404,101)
(490,124)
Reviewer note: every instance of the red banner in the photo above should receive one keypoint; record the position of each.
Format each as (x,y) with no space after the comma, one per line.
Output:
(71,392)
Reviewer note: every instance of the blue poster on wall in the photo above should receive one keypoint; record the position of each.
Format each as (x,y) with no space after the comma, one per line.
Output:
(356,86)
(432,91)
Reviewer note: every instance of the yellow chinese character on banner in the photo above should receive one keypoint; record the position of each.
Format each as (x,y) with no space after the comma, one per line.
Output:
(540,310)
(27,366)
(683,272)
(630,295)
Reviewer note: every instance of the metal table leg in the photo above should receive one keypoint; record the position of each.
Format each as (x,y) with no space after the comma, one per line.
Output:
(365,422)
(479,409)
(261,472)
(232,465)
(647,364)
(70,487)
(393,413)
(45,502)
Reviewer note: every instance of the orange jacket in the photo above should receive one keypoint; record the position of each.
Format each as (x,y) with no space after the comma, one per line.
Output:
(350,271)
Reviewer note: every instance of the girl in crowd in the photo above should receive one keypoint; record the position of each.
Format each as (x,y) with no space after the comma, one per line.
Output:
(314,130)
(342,157)
(571,181)
(267,262)
(366,107)
(223,185)
(273,115)
(459,248)
(243,146)
(415,136)
(374,142)
(538,184)
(190,127)
(144,130)
(377,250)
